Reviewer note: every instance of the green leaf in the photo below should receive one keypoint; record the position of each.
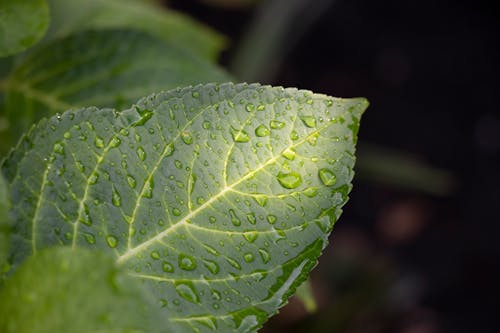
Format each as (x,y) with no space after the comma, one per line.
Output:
(22,24)
(69,16)
(65,290)
(219,198)
(4,225)
(111,68)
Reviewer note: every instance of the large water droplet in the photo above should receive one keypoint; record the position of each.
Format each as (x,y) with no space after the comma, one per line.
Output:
(186,290)
(186,262)
(290,180)
(239,135)
(262,130)
(327,177)
(289,154)
(112,241)
(251,236)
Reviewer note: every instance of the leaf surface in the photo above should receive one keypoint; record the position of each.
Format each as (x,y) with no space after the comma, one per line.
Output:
(110,68)
(4,225)
(80,291)
(22,24)
(69,16)
(219,198)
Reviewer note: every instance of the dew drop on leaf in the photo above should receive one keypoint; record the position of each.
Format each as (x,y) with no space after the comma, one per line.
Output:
(265,256)
(290,180)
(250,107)
(187,291)
(148,189)
(176,212)
(309,121)
(99,142)
(93,178)
(275,124)
(251,236)
(131,181)
(327,177)
(155,255)
(141,153)
(234,218)
(251,218)
(271,219)
(262,130)
(212,266)
(289,154)
(112,241)
(248,257)
(59,148)
(186,262)
(239,135)
(167,267)
(116,199)
(186,137)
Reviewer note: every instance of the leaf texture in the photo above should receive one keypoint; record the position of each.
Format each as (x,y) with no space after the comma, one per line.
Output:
(219,198)
(109,68)
(56,292)
(22,24)
(70,16)
(4,224)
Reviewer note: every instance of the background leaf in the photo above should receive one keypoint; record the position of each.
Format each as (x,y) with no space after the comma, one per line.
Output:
(4,225)
(218,198)
(69,16)
(22,24)
(65,290)
(109,68)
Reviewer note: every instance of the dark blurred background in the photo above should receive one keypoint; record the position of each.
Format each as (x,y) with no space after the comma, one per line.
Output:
(416,250)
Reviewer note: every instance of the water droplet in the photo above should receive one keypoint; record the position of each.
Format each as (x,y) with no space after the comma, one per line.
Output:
(99,142)
(67,135)
(206,125)
(289,154)
(186,137)
(167,267)
(327,177)
(261,107)
(290,180)
(251,218)
(262,130)
(250,107)
(124,131)
(90,238)
(116,199)
(186,262)
(248,257)
(155,255)
(176,212)
(211,250)
(59,148)
(251,236)
(294,135)
(178,164)
(212,219)
(195,94)
(141,153)
(112,241)
(309,121)
(212,266)
(86,219)
(115,142)
(271,219)
(233,263)
(131,181)
(261,200)
(311,192)
(186,290)
(265,256)
(234,218)
(80,166)
(239,135)
(148,189)
(275,124)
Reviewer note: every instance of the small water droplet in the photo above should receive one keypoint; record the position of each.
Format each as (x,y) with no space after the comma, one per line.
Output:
(176,212)
(239,135)
(99,142)
(248,257)
(115,142)
(216,296)
(212,266)
(290,180)
(186,290)
(80,166)
(167,267)
(131,181)
(251,218)
(311,192)
(271,219)
(261,200)
(67,135)
(275,124)
(141,153)
(289,154)
(265,256)
(59,148)
(86,219)
(112,241)
(309,121)
(262,130)
(250,107)
(155,255)
(206,125)
(186,262)
(148,189)
(327,177)
(90,238)
(234,218)
(195,94)
(233,263)
(294,135)
(186,137)
(212,219)
(178,164)
(116,199)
